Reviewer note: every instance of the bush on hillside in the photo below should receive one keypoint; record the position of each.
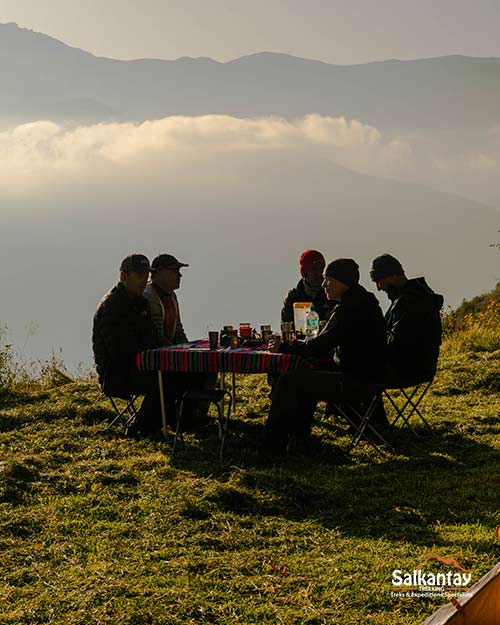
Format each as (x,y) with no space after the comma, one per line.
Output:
(477,332)
(460,317)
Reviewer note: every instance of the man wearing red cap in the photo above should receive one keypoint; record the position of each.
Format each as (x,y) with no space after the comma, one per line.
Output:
(312,264)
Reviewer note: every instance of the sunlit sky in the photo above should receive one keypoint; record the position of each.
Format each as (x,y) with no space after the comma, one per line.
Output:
(336,31)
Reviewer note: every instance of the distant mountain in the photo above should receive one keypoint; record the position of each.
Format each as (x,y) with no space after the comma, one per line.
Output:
(44,77)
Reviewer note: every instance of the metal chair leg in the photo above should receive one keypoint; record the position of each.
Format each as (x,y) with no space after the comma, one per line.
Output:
(411,403)
(363,426)
(129,409)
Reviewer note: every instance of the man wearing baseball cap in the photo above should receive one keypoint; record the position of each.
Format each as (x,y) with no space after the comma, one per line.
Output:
(122,327)
(413,323)
(165,279)
(312,264)
(160,292)
(349,354)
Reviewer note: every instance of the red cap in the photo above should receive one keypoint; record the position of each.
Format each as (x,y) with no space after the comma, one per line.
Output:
(309,258)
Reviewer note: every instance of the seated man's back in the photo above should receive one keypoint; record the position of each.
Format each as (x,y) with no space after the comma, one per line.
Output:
(413,323)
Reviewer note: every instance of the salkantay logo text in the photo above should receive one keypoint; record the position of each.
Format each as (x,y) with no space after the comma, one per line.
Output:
(418,583)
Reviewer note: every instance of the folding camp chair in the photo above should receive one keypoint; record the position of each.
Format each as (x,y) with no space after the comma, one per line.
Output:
(127,413)
(214,396)
(413,394)
(358,415)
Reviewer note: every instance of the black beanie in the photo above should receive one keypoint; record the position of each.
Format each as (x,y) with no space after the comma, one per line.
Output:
(384,266)
(344,269)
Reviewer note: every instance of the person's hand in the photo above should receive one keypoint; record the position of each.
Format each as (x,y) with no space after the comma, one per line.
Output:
(274,343)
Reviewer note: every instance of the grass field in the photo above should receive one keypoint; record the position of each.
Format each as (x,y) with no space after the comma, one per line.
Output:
(100,529)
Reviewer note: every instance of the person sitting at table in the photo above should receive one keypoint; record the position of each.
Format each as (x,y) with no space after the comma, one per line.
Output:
(349,354)
(122,327)
(312,264)
(160,292)
(413,324)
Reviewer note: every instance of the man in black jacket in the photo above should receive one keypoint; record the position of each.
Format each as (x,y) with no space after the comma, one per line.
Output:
(123,327)
(413,324)
(309,288)
(349,358)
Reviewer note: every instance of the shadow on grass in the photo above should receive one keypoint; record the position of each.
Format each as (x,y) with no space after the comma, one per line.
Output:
(449,477)
(443,477)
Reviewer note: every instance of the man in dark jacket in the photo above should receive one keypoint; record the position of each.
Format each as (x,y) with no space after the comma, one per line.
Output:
(122,328)
(309,288)
(349,358)
(413,324)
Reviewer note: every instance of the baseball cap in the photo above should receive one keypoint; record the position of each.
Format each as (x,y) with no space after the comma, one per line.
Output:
(135,262)
(166,261)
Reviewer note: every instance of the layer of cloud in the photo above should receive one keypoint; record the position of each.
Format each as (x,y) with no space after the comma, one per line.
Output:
(43,154)
(42,150)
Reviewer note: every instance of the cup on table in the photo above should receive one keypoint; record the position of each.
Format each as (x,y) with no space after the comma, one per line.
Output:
(213,339)
(246,330)
(265,333)
(225,336)
(287,331)
(234,341)
(274,342)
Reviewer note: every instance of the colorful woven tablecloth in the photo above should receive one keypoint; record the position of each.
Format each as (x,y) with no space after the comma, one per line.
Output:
(195,356)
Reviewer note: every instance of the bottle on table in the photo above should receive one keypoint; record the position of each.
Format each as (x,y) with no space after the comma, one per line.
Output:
(312,323)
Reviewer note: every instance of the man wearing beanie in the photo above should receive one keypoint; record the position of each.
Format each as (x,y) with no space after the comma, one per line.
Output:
(349,354)
(413,324)
(312,264)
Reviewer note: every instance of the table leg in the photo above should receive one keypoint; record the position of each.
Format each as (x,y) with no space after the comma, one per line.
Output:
(162,403)
(233,387)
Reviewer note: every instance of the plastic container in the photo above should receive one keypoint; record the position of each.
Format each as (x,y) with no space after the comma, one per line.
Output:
(312,323)
(300,310)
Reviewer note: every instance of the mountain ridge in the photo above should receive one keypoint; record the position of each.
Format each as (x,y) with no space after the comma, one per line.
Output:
(392,95)
(59,42)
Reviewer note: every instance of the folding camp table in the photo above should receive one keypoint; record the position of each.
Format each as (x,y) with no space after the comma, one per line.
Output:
(195,356)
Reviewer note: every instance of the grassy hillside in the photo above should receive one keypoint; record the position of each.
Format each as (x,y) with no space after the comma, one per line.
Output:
(470,309)
(100,529)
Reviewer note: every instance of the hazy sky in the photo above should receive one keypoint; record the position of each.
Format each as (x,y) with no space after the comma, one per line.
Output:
(336,31)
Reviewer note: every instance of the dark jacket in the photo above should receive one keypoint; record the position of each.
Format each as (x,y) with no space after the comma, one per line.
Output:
(413,324)
(322,305)
(122,327)
(354,337)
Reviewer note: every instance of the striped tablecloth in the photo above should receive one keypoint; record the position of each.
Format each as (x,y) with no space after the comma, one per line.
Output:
(195,356)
